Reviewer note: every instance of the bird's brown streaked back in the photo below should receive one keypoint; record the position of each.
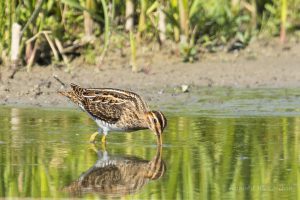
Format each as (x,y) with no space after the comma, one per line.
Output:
(110,96)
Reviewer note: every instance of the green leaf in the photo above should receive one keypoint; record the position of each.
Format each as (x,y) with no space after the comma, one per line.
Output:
(73,4)
(270,8)
(195,7)
(50,4)
(76,4)
(152,7)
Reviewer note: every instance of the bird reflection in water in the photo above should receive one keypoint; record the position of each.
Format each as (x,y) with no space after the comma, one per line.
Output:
(118,175)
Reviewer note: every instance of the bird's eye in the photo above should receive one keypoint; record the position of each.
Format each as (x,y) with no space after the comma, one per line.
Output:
(154,120)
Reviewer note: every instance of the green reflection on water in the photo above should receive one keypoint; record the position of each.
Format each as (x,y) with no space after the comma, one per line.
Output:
(42,152)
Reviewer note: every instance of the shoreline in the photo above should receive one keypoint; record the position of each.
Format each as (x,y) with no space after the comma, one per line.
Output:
(258,66)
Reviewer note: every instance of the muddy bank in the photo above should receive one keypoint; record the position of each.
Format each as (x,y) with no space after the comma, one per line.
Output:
(261,65)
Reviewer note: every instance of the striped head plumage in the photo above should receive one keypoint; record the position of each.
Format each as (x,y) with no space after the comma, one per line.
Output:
(157,122)
(74,95)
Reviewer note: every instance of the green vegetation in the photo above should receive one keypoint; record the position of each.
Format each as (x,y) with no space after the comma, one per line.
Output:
(59,30)
(42,151)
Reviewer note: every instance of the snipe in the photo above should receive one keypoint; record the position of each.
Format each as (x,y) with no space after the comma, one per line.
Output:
(116,110)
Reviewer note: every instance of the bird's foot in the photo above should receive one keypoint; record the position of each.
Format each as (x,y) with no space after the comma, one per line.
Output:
(93,137)
(103,140)
(100,151)
(93,147)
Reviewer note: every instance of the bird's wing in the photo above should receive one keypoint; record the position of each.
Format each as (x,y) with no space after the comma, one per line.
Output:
(109,104)
(103,111)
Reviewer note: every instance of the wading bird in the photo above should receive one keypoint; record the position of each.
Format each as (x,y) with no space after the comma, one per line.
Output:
(116,110)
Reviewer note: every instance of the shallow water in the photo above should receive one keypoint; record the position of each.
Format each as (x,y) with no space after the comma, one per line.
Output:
(244,146)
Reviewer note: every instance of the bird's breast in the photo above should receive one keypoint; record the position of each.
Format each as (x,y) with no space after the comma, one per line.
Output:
(107,126)
(118,126)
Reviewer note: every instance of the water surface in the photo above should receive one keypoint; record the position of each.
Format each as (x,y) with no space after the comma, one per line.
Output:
(244,147)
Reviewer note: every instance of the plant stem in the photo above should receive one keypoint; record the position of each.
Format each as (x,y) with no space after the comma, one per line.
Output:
(183,16)
(88,20)
(283,20)
(133,52)
(15,42)
(33,16)
(129,15)
(106,29)
(254,15)
(162,24)
(142,18)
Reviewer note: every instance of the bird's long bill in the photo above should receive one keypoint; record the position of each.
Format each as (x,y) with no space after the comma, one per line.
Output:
(159,139)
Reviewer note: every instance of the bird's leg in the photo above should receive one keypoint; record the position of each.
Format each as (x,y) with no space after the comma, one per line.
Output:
(93,147)
(103,140)
(105,155)
(102,153)
(94,135)
(103,145)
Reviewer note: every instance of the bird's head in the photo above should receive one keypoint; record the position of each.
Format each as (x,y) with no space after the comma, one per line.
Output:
(157,122)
